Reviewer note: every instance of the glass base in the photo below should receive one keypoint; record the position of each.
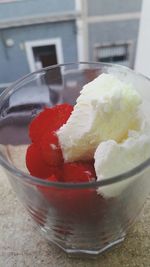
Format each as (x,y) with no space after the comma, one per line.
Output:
(87,253)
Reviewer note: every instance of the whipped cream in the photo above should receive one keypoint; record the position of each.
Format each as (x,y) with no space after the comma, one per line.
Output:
(106,109)
(112,158)
(108,123)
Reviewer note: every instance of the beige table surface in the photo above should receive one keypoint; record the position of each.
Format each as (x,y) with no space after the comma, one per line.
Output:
(21,245)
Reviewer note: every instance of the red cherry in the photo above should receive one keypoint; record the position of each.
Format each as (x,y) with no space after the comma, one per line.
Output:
(36,165)
(50,119)
(78,172)
(50,149)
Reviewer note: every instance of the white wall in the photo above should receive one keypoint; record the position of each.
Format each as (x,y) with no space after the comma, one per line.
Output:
(142,62)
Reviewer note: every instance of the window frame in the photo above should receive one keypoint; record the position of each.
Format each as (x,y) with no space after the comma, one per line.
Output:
(43,42)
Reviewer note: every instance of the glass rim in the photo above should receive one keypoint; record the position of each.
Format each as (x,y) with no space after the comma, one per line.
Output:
(39,181)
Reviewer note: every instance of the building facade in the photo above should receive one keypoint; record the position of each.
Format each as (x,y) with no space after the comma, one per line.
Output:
(38,33)
(143,51)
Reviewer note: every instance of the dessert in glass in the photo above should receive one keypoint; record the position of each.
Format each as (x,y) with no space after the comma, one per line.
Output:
(75,145)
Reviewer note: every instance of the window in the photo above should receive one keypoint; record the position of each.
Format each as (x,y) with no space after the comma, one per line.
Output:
(113,53)
(45,56)
(43,53)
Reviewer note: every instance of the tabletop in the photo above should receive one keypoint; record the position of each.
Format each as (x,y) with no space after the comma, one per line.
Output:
(22,246)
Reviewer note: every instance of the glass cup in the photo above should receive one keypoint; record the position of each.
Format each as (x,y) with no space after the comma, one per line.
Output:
(74,216)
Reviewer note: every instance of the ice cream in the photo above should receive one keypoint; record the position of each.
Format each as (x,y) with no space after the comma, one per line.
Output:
(112,158)
(106,109)
(107,124)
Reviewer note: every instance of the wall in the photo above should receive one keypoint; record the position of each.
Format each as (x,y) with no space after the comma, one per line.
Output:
(112,21)
(13,63)
(108,32)
(103,7)
(33,7)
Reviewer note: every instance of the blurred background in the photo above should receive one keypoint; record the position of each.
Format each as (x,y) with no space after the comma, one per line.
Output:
(39,33)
